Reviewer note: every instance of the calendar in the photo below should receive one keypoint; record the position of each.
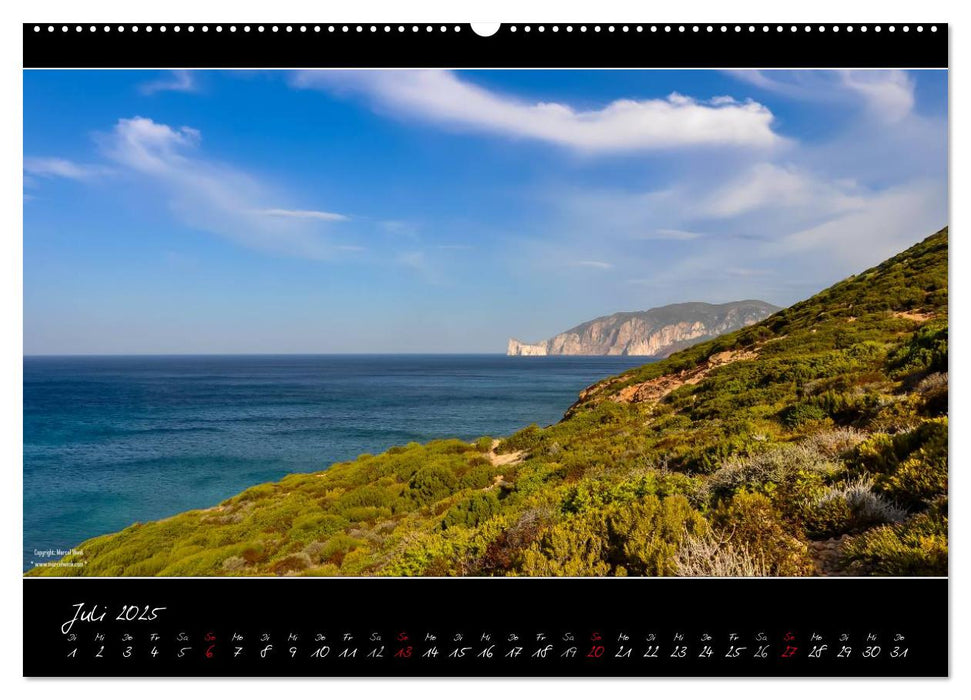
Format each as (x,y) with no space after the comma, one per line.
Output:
(396,350)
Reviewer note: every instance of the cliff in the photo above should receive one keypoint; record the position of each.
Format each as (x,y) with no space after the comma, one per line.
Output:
(656,333)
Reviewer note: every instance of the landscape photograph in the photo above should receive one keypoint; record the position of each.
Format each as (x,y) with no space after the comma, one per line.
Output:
(478,323)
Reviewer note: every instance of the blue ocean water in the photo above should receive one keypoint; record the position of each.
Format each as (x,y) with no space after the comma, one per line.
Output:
(109,441)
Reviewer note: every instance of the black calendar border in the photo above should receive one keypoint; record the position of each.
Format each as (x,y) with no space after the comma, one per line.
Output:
(210,611)
(377,45)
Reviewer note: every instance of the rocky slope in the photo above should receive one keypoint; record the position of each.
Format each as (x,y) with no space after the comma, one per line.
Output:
(655,333)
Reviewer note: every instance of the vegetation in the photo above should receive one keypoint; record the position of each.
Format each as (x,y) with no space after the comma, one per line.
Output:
(737,456)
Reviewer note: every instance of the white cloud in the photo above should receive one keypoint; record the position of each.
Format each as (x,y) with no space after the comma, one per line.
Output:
(174,81)
(596,264)
(792,262)
(304,214)
(889,221)
(212,196)
(770,186)
(887,94)
(149,147)
(669,234)
(773,231)
(795,84)
(748,272)
(61,167)
(734,201)
(623,125)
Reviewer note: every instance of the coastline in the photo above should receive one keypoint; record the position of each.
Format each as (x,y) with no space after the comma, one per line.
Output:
(191,431)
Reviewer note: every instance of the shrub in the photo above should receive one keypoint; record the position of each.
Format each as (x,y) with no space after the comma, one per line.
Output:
(648,533)
(525,439)
(316,526)
(926,352)
(336,548)
(848,507)
(857,406)
(866,506)
(472,511)
(432,484)
(911,467)
(594,492)
(484,444)
(325,570)
(234,563)
(919,479)
(254,552)
(570,548)
(833,444)
(801,413)
(200,563)
(366,496)
(505,552)
(934,391)
(256,493)
(897,414)
(917,547)
(366,514)
(773,467)
(478,477)
(294,562)
(149,567)
(640,538)
(709,555)
(751,521)
(449,447)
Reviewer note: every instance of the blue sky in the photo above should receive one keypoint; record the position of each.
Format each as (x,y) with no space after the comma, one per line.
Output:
(433,211)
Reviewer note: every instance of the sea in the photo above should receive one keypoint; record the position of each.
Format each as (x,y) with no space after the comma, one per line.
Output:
(109,441)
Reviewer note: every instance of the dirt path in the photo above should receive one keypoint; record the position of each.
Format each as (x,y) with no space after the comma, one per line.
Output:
(503,459)
(918,316)
(659,387)
(826,555)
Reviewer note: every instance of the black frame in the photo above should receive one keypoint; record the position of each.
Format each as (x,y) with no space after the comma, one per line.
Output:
(372,45)
(612,614)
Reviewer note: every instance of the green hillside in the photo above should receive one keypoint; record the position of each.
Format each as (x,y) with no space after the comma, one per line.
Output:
(814,442)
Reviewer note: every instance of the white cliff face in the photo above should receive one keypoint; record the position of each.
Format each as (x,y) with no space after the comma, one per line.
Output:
(654,333)
(517,347)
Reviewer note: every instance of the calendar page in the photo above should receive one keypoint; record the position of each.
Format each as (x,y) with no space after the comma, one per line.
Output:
(466,350)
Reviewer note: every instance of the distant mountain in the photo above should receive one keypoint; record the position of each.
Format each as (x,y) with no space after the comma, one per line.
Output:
(655,332)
